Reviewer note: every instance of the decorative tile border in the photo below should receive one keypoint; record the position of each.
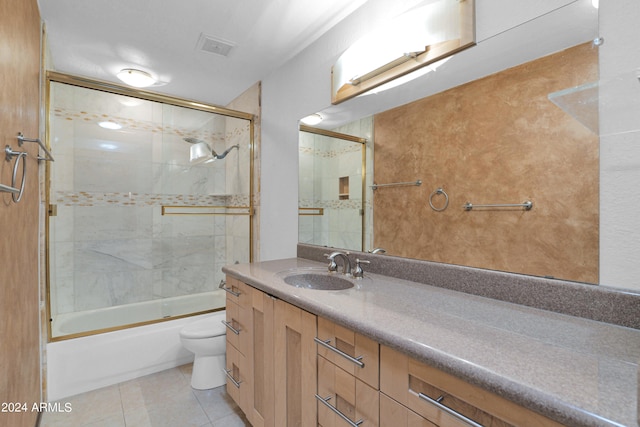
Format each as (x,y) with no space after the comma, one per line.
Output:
(151,126)
(333,204)
(88,199)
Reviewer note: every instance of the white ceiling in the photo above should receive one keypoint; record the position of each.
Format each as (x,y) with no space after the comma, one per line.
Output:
(97,38)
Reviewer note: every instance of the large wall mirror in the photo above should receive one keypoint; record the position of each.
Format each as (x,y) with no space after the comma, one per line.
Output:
(513,121)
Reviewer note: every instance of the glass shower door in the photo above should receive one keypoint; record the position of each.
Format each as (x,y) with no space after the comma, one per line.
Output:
(140,233)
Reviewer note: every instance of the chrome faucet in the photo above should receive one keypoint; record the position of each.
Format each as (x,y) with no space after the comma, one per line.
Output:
(378,251)
(359,272)
(346,262)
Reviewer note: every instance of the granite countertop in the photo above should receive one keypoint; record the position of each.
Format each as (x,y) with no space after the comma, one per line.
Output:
(576,371)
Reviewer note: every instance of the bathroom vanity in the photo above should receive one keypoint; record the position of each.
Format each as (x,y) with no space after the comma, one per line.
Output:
(393,352)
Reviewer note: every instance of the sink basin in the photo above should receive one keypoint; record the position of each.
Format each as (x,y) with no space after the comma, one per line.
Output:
(324,282)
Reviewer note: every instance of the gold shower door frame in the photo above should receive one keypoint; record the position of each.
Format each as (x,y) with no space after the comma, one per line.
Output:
(351,138)
(51,209)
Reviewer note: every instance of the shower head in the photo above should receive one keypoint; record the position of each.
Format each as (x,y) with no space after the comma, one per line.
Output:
(201,152)
(193,140)
(223,155)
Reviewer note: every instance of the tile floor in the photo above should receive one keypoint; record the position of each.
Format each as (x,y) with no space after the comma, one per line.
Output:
(163,399)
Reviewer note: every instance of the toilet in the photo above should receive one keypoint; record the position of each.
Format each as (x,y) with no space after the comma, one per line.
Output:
(206,338)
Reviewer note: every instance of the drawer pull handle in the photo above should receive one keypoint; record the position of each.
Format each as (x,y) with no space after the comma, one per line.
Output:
(437,404)
(223,286)
(228,325)
(229,290)
(325,344)
(338,413)
(227,372)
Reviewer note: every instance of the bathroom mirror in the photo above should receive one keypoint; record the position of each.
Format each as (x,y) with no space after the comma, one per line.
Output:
(541,58)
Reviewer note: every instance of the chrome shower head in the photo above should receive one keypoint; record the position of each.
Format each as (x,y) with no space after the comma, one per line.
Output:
(223,155)
(201,151)
(193,140)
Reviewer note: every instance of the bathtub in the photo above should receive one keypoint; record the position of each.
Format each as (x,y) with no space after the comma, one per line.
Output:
(87,363)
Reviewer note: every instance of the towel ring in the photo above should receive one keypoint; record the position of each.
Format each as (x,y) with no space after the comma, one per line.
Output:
(446,202)
(10,154)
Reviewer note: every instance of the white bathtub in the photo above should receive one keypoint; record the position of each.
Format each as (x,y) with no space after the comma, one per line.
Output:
(110,317)
(82,364)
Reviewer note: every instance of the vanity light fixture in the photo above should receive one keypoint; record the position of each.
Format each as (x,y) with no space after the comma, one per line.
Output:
(136,78)
(419,37)
(312,119)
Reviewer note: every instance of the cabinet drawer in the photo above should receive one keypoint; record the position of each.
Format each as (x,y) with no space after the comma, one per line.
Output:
(413,383)
(394,414)
(238,292)
(237,376)
(348,397)
(349,350)
(238,322)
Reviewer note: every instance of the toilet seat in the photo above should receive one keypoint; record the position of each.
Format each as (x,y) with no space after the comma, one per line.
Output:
(205,328)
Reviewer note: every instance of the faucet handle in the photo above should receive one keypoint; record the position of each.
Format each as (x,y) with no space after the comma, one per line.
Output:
(333,267)
(359,272)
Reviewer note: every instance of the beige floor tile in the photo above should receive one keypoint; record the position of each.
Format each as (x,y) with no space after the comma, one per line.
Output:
(98,407)
(163,399)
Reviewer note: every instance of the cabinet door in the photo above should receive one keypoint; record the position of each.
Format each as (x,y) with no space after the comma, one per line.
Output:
(353,352)
(260,412)
(344,400)
(295,366)
(417,385)
(394,414)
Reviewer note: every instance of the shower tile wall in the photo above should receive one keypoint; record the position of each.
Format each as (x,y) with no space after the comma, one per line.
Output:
(323,161)
(110,243)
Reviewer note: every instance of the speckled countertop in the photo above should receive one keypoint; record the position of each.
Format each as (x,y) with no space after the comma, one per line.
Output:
(576,371)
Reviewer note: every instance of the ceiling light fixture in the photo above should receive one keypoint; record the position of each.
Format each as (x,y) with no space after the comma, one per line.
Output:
(110,125)
(312,119)
(136,78)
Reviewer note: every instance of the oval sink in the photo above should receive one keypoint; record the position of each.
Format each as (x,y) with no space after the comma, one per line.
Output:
(324,282)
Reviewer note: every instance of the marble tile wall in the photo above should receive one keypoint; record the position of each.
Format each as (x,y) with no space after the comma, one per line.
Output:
(110,242)
(495,140)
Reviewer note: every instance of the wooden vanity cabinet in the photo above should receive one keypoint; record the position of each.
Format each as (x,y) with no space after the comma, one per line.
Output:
(289,368)
(272,361)
(416,385)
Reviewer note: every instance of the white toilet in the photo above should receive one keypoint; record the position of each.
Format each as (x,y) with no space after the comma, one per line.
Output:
(206,338)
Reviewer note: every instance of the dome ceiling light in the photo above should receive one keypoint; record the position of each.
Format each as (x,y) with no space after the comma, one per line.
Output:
(136,78)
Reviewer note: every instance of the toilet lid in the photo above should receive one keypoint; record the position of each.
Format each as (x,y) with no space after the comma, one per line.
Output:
(205,328)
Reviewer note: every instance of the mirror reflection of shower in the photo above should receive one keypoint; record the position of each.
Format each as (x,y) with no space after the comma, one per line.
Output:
(201,151)
(138,224)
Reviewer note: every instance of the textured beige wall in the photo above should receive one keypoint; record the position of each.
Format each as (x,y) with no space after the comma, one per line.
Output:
(495,140)
(19,254)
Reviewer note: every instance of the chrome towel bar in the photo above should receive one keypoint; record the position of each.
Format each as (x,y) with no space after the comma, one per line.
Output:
(8,189)
(525,205)
(397,184)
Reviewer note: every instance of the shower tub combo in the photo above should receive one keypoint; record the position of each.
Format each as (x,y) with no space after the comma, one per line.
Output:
(87,363)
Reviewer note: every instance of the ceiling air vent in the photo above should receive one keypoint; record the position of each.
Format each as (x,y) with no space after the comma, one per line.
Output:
(213,45)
